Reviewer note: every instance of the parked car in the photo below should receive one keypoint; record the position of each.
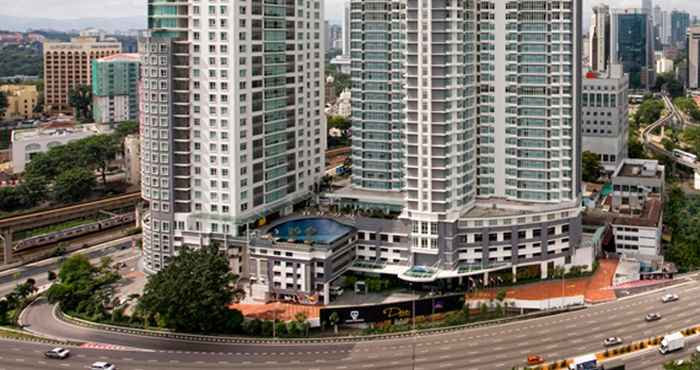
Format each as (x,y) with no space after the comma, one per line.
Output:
(101,365)
(336,291)
(669,298)
(534,360)
(612,341)
(57,353)
(652,316)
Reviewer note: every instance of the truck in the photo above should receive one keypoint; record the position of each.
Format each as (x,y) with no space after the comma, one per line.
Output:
(672,342)
(587,362)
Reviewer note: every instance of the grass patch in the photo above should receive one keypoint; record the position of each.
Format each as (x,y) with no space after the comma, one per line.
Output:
(25,234)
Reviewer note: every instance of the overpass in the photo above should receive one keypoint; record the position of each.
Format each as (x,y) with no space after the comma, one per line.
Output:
(12,224)
(673,116)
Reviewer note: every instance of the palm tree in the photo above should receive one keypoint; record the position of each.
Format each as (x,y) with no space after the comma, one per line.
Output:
(334,319)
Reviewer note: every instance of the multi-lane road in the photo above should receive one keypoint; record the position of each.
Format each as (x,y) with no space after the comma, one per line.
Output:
(496,347)
(118,250)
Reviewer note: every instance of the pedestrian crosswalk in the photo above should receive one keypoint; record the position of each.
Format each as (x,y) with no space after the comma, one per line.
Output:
(102,346)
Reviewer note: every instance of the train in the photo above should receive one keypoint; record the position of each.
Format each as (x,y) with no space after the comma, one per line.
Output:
(685,156)
(73,232)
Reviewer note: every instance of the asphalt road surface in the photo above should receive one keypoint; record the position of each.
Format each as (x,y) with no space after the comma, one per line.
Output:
(496,347)
(118,250)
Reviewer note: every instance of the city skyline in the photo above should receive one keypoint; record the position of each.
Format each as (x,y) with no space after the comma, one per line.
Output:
(58,9)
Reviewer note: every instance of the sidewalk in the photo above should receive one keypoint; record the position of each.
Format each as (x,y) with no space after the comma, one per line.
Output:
(277,310)
(595,289)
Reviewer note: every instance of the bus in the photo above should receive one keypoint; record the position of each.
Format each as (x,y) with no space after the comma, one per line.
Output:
(685,156)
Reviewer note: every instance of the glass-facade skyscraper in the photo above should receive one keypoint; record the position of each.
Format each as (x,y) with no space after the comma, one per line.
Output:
(632,45)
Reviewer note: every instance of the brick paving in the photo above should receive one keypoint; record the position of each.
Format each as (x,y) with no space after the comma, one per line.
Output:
(276,310)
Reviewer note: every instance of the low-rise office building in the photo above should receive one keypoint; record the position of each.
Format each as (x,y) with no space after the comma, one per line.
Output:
(636,204)
(604,125)
(21,101)
(27,143)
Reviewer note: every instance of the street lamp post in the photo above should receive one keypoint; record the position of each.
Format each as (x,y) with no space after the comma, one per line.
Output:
(413,314)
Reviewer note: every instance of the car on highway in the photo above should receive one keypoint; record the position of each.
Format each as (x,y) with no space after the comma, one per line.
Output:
(101,365)
(57,353)
(612,341)
(652,316)
(669,298)
(534,359)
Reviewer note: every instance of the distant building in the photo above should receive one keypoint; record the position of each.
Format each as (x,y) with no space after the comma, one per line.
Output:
(26,144)
(599,38)
(21,101)
(330,90)
(344,104)
(663,64)
(604,106)
(637,207)
(346,29)
(632,46)
(132,160)
(680,21)
(693,58)
(342,64)
(68,64)
(114,88)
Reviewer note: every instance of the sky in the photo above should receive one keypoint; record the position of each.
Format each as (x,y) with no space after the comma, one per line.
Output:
(70,9)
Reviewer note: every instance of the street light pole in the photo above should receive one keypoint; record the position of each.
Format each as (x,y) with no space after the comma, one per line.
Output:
(413,314)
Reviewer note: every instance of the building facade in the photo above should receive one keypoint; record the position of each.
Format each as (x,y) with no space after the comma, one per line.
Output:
(693,61)
(25,144)
(21,102)
(232,101)
(632,46)
(114,88)
(377,94)
(680,21)
(69,64)
(600,38)
(132,160)
(636,207)
(605,112)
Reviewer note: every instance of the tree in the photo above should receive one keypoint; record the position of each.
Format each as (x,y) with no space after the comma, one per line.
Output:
(80,98)
(192,292)
(3,102)
(125,129)
(635,149)
(82,288)
(73,185)
(99,150)
(32,190)
(339,122)
(691,364)
(668,144)
(333,319)
(649,112)
(501,295)
(591,167)
(675,88)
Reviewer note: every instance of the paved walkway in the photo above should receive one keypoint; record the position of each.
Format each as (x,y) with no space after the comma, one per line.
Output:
(595,289)
(277,310)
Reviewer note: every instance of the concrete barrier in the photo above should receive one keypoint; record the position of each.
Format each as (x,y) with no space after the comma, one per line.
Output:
(60,315)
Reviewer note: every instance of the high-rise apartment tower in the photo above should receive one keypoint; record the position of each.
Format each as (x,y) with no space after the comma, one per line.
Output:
(232,122)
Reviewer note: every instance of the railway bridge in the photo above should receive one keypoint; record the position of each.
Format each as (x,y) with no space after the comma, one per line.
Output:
(12,224)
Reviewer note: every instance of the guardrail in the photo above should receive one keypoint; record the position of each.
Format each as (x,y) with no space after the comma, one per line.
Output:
(60,315)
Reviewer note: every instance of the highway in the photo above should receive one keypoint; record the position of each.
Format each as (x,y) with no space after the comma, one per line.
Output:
(497,347)
(118,249)
(663,121)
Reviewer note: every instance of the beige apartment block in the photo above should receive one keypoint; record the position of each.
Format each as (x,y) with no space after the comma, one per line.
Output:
(67,64)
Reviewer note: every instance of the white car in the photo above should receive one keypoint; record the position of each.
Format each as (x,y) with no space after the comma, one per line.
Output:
(612,341)
(697,349)
(57,353)
(101,365)
(669,298)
